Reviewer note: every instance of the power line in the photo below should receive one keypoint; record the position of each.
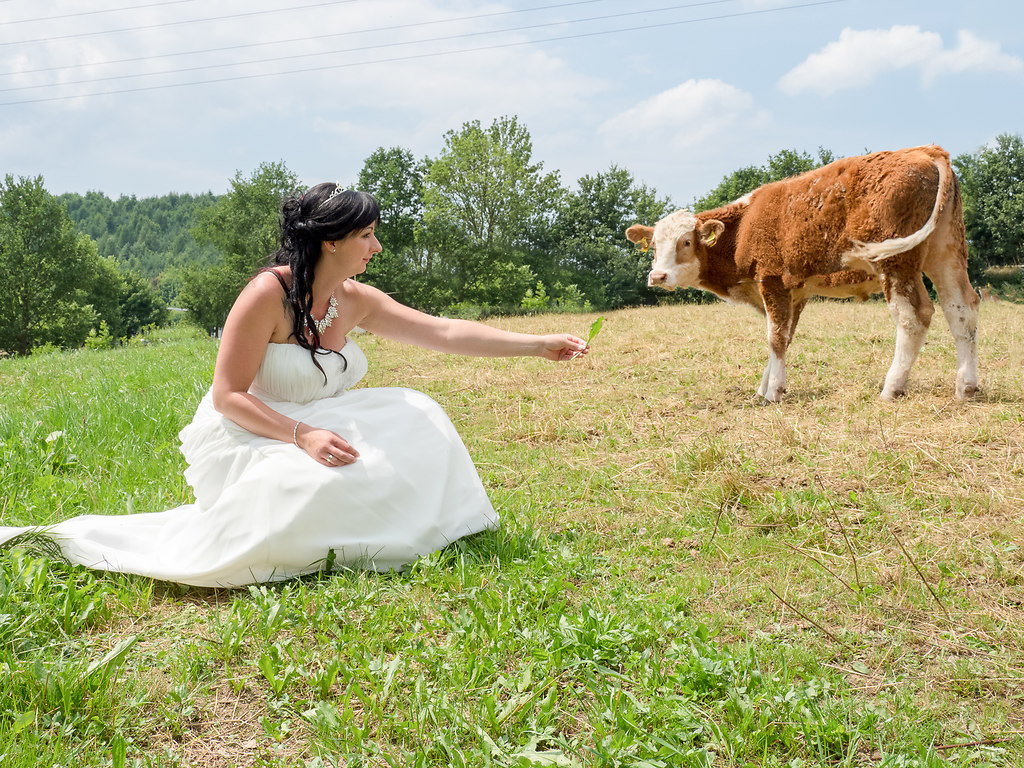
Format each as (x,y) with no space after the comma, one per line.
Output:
(93,13)
(179,23)
(293,57)
(413,57)
(310,37)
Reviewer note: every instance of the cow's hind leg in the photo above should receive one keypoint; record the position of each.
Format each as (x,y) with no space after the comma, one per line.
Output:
(794,318)
(912,310)
(959,304)
(781,315)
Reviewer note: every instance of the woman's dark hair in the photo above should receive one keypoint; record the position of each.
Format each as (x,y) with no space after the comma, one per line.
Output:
(323,212)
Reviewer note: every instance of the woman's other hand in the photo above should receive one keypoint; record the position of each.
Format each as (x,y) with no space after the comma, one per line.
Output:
(325,446)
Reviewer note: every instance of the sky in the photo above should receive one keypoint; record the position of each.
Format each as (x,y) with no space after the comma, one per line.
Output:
(150,97)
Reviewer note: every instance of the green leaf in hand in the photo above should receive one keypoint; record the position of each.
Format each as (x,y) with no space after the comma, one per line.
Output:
(595,328)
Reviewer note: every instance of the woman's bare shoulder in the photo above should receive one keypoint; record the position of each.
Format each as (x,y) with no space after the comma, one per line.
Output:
(271,279)
(262,301)
(265,289)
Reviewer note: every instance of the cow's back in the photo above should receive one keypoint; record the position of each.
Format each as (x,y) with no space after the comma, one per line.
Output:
(803,227)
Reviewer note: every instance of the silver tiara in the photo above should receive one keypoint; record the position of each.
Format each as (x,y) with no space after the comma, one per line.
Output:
(338,189)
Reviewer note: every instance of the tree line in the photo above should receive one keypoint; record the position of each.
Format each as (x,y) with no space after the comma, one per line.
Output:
(150,236)
(55,288)
(482,228)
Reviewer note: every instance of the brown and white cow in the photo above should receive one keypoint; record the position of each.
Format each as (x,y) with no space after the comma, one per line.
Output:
(855,227)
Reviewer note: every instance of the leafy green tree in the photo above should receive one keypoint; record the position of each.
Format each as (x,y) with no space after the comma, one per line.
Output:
(125,301)
(141,305)
(992,183)
(43,266)
(486,184)
(786,163)
(244,226)
(395,179)
(444,255)
(595,255)
(486,181)
(789,162)
(502,286)
(208,293)
(105,290)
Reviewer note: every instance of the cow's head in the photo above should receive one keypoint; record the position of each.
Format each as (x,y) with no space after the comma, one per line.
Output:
(677,241)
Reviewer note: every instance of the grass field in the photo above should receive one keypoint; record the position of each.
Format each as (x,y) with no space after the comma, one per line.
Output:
(684,577)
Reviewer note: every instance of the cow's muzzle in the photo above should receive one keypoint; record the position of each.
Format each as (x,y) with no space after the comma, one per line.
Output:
(657,277)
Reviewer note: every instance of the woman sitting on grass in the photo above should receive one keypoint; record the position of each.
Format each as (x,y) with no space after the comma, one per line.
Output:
(292,469)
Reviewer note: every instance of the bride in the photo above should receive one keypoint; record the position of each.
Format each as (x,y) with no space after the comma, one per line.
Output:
(293,470)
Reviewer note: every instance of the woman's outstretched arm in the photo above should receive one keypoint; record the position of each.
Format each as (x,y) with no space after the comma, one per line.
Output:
(382,315)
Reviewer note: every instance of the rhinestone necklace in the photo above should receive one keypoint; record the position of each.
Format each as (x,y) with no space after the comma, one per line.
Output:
(332,312)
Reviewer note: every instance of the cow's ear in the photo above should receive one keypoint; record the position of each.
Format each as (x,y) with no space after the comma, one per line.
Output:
(638,233)
(710,231)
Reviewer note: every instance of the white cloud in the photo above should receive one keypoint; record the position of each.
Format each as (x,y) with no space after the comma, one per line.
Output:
(973,54)
(481,85)
(684,117)
(685,136)
(859,57)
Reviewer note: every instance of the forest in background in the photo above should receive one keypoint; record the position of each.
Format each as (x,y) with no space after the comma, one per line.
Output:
(479,229)
(151,236)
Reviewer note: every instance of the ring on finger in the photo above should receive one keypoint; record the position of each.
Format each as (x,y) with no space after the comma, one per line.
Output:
(330,457)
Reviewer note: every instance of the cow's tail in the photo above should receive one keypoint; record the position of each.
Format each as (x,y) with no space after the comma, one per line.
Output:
(873,253)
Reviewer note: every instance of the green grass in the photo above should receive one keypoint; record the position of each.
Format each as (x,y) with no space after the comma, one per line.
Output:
(684,577)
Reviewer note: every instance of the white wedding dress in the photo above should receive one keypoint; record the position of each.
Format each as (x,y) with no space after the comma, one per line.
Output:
(266,511)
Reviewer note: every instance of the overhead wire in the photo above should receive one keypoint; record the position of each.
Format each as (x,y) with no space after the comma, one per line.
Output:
(307,38)
(179,22)
(94,13)
(319,54)
(412,57)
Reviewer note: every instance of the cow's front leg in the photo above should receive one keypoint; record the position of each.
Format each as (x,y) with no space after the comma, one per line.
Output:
(778,304)
(912,310)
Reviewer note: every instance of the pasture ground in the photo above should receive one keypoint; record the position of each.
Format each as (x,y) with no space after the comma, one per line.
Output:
(684,577)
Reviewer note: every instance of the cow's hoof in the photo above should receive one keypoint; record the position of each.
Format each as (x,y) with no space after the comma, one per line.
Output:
(889,397)
(966,392)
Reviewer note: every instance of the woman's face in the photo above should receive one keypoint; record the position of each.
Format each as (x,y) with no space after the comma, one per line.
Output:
(354,251)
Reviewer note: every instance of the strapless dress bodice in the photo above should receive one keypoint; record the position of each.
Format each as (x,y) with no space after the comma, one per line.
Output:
(287,373)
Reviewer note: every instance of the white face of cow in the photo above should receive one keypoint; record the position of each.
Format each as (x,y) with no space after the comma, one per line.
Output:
(675,262)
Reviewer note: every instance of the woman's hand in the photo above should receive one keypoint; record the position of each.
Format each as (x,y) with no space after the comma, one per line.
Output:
(561,346)
(325,446)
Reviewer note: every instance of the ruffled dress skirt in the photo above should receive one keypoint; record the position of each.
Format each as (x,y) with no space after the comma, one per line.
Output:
(266,511)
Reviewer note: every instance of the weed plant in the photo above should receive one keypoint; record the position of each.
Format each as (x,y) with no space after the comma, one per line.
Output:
(683,577)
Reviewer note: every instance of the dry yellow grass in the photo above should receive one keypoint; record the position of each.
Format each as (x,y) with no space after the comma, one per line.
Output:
(891,532)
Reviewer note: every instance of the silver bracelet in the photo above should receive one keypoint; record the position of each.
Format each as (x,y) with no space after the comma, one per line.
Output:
(295,434)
